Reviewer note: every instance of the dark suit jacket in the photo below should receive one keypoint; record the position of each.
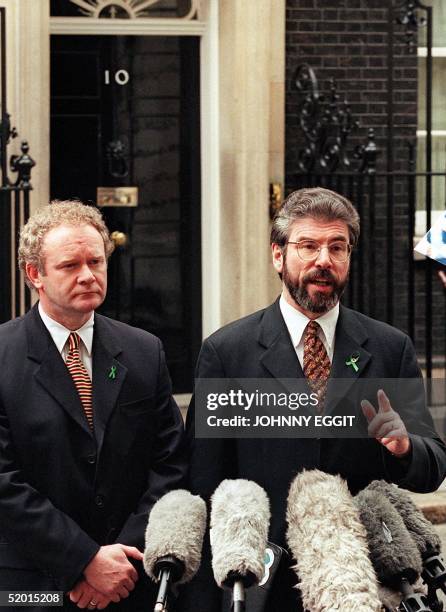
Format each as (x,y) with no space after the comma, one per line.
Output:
(259,346)
(64,491)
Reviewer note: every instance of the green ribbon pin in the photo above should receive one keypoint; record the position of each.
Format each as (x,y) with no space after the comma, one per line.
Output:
(351,361)
(112,373)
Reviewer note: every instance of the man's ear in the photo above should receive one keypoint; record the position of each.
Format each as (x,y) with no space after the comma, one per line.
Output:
(277,254)
(32,272)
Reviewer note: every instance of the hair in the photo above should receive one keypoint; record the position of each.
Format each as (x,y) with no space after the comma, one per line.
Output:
(317,203)
(66,212)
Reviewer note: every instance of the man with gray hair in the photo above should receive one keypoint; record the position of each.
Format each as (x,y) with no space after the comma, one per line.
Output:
(90,436)
(306,334)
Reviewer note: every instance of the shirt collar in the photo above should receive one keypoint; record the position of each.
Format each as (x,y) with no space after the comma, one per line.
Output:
(60,334)
(296,322)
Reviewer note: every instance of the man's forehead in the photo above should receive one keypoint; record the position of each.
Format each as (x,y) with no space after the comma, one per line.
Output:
(65,239)
(319,226)
(72,233)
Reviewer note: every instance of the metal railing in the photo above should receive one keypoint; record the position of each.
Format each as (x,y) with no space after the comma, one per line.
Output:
(14,200)
(386,280)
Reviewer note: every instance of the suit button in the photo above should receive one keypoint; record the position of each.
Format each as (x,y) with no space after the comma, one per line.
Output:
(91,459)
(111,535)
(99,501)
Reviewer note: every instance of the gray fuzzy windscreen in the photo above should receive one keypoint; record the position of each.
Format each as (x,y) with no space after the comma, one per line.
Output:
(328,542)
(421,530)
(240,517)
(393,552)
(176,527)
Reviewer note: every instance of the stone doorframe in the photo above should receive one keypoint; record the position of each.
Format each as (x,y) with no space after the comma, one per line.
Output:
(242,131)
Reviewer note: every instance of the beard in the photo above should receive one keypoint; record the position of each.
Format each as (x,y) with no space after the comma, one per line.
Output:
(319,302)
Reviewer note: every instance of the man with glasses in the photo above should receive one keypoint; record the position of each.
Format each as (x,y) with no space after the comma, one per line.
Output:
(307,334)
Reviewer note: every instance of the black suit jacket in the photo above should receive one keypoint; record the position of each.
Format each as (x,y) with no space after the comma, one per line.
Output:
(259,346)
(63,490)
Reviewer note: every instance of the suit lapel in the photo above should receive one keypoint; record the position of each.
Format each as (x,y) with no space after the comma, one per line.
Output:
(108,377)
(280,357)
(349,341)
(53,374)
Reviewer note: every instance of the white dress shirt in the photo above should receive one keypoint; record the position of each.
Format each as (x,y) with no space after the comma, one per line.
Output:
(296,323)
(60,334)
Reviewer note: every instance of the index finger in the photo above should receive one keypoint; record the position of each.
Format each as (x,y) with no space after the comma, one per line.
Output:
(383,402)
(132,551)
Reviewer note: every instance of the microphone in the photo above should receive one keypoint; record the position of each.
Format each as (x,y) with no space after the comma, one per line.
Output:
(174,538)
(395,557)
(240,518)
(424,535)
(328,542)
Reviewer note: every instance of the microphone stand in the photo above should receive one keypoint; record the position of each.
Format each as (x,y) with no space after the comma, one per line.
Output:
(238,584)
(169,571)
(163,591)
(238,596)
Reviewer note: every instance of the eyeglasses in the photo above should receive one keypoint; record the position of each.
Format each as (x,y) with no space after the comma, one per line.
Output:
(308,250)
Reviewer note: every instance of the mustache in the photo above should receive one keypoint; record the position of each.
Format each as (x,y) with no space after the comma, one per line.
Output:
(323,274)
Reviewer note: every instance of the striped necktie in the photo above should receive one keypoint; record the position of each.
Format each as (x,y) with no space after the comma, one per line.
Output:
(317,364)
(80,375)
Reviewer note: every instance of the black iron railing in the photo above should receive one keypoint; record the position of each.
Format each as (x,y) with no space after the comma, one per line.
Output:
(14,200)
(386,281)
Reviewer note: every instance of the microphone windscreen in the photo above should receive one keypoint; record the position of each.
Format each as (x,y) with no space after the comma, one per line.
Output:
(328,542)
(421,530)
(393,552)
(176,527)
(240,517)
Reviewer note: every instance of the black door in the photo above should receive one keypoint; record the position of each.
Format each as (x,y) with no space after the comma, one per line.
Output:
(125,113)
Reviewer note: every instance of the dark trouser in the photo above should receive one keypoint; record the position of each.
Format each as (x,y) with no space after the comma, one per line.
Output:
(141,599)
(14,579)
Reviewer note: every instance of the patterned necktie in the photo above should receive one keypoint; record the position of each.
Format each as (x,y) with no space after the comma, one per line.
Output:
(80,376)
(316,362)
